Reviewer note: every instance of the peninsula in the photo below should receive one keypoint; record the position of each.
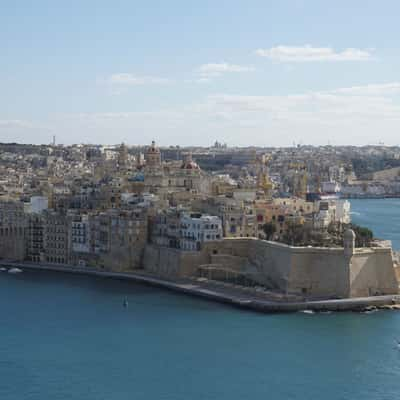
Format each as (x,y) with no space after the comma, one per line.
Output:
(253,227)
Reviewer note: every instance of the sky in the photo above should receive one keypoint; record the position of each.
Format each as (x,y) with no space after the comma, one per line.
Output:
(255,72)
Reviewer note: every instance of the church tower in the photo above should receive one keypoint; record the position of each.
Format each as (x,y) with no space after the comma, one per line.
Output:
(122,156)
(153,156)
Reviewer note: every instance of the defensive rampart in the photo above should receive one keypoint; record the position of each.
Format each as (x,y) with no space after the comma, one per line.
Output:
(307,271)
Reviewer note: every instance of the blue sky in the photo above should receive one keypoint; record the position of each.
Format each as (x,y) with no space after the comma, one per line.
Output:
(181,72)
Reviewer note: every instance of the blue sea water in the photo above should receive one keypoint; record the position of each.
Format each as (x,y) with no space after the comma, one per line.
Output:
(380,215)
(69,337)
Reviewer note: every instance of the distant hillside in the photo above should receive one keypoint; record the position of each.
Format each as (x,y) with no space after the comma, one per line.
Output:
(390,174)
(365,167)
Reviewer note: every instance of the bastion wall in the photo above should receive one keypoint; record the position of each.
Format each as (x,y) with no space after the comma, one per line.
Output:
(372,272)
(308,271)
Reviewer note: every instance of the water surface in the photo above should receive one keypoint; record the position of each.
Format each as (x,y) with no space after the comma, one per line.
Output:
(380,215)
(68,337)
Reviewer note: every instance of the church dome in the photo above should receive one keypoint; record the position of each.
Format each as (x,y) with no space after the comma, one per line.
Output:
(189,164)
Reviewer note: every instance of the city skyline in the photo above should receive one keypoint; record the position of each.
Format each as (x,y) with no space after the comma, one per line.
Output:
(269,75)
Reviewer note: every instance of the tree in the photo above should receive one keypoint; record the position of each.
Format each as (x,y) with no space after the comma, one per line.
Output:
(294,234)
(364,235)
(269,229)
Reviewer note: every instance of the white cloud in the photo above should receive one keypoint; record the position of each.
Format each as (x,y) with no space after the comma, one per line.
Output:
(128,79)
(324,107)
(309,53)
(371,89)
(349,115)
(352,115)
(213,70)
(128,115)
(15,123)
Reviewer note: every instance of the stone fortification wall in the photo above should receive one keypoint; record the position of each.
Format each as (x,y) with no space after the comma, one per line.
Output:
(311,271)
(308,271)
(317,272)
(172,263)
(235,263)
(272,262)
(372,273)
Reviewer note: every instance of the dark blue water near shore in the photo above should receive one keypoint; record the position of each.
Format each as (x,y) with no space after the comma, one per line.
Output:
(381,215)
(69,337)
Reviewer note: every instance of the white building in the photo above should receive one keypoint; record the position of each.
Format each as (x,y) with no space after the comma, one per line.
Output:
(197,228)
(37,204)
(330,187)
(343,211)
(332,211)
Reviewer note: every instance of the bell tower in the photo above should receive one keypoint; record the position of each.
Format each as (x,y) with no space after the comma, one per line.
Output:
(153,156)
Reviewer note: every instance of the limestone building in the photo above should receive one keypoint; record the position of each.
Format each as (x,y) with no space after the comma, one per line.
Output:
(13,230)
(173,175)
(56,237)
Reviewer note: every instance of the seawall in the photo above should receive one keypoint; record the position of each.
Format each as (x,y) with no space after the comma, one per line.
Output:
(228,296)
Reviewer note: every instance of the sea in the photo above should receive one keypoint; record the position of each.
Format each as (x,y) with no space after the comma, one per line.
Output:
(380,215)
(68,337)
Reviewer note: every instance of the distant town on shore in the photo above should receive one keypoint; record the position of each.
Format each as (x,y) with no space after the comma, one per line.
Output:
(273,221)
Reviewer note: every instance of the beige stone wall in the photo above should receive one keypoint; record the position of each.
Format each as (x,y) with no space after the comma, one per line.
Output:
(372,273)
(234,246)
(312,272)
(397,272)
(319,273)
(172,263)
(122,258)
(273,263)
(234,263)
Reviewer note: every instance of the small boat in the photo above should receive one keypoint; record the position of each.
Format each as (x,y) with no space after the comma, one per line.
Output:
(125,303)
(2,269)
(370,311)
(307,311)
(14,271)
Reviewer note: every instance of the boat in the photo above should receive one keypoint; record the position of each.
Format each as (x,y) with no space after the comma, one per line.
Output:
(2,269)
(370,311)
(125,302)
(14,271)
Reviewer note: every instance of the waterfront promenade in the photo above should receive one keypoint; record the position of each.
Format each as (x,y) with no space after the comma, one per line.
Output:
(213,291)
